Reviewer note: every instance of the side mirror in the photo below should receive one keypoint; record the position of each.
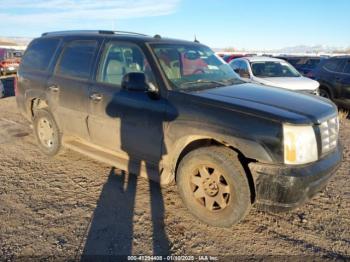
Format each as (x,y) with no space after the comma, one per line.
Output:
(135,81)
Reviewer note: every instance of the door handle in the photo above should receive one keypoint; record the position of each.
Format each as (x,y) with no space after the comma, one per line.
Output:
(54,88)
(96,97)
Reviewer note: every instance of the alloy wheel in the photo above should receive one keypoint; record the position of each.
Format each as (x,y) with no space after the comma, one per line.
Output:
(46,132)
(210,188)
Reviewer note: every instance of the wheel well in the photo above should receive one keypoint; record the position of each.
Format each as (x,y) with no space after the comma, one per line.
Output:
(36,104)
(208,142)
(326,88)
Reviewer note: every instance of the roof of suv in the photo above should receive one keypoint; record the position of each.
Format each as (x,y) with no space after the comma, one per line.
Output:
(341,56)
(118,34)
(261,59)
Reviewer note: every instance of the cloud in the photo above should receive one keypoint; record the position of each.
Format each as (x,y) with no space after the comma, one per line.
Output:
(65,13)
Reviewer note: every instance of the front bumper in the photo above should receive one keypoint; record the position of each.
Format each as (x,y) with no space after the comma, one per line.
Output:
(282,187)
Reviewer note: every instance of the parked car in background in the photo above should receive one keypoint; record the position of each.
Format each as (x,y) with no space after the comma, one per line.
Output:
(2,90)
(273,72)
(333,74)
(304,64)
(9,61)
(229,58)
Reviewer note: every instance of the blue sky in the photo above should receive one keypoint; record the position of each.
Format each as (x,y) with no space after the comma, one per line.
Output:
(250,24)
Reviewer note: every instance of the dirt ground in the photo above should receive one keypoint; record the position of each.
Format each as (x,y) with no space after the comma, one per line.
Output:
(72,206)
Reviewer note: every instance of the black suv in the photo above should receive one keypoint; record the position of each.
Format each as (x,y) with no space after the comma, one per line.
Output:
(333,74)
(304,64)
(171,110)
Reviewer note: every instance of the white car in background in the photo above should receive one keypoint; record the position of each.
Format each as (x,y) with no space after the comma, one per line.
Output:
(2,90)
(273,72)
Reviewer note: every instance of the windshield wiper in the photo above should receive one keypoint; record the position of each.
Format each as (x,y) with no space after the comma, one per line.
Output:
(233,81)
(203,81)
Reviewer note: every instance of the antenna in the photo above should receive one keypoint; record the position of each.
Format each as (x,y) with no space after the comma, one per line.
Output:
(195,39)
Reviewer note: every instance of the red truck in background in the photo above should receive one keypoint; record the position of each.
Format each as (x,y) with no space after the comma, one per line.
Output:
(9,61)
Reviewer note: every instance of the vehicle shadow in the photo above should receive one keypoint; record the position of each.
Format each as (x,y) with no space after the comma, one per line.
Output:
(111,229)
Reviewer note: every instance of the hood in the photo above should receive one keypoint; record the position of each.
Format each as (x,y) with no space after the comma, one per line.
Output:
(292,83)
(273,103)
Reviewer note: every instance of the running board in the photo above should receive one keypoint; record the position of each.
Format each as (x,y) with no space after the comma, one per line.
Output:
(108,157)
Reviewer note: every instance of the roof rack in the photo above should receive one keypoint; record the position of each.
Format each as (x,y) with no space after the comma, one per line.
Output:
(105,32)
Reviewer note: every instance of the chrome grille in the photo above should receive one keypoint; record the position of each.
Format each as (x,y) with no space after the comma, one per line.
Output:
(329,134)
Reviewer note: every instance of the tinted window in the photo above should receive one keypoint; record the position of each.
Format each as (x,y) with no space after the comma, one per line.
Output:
(293,61)
(347,67)
(122,58)
(39,54)
(273,69)
(244,68)
(313,62)
(77,59)
(333,65)
(235,64)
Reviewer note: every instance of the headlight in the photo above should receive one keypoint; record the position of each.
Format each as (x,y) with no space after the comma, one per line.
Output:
(317,91)
(300,145)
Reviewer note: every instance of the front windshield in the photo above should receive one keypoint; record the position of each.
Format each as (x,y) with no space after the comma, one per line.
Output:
(273,69)
(189,67)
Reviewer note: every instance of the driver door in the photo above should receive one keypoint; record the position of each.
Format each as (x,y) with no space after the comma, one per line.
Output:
(128,122)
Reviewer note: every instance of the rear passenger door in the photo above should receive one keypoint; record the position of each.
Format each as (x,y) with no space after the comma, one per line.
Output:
(332,73)
(35,69)
(68,89)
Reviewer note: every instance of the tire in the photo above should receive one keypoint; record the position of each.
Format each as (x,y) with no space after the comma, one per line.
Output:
(325,93)
(219,194)
(47,133)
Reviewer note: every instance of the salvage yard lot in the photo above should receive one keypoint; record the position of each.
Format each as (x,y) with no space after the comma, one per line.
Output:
(71,206)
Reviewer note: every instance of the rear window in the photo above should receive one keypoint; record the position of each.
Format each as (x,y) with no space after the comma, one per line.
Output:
(39,54)
(77,59)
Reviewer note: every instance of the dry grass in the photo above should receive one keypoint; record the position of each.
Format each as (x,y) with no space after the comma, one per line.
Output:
(343,115)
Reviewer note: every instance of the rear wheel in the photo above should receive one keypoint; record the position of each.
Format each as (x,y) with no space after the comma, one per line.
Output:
(47,133)
(214,187)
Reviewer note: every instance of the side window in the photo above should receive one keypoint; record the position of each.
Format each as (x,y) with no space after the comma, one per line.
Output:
(347,67)
(77,59)
(333,65)
(39,54)
(118,59)
(235,65)
(244,68)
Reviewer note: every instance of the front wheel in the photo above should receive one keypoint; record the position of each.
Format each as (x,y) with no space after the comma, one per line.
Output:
(47,133)
(213,186)
(324,93)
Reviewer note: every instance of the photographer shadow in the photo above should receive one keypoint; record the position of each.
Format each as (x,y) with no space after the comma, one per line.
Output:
(111,232)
